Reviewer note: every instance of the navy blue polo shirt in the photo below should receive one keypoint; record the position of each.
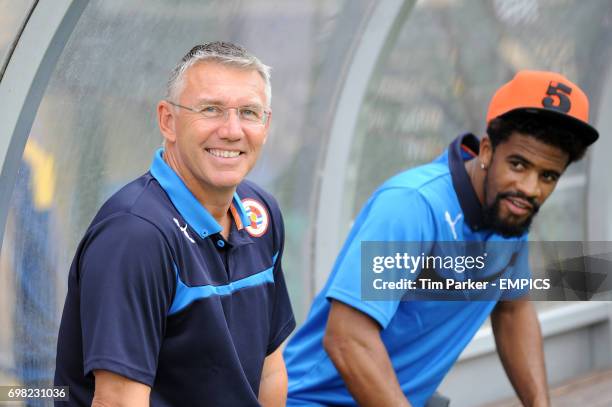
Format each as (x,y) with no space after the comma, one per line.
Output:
(156,294)
(431,203)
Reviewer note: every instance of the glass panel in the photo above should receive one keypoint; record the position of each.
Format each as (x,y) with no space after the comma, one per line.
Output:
(96,130)
(12,15)
(436,81)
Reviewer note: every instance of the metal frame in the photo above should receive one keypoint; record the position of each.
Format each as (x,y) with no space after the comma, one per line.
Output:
(385,22)
(24,82)
(599,195)
(554,321)
(13,44)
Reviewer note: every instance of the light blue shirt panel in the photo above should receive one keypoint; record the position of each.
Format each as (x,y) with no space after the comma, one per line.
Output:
(429,336)
(394,214)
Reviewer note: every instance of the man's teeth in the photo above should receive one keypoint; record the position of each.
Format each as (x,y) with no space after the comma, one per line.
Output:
(223,153)
(519,204)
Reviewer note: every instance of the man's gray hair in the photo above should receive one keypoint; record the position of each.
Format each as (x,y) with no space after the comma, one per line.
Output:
(224,53)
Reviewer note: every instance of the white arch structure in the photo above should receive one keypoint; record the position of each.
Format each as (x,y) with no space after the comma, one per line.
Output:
(25,80)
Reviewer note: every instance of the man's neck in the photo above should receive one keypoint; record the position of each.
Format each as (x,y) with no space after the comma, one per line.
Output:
(477,177)
(220,210)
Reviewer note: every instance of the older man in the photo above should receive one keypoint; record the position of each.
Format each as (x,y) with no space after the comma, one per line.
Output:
(395,353)
(176,295)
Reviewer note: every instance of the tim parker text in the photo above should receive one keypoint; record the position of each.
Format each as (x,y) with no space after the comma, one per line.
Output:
(469,284)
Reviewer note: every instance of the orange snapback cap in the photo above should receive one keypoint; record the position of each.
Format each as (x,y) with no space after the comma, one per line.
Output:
(548,94)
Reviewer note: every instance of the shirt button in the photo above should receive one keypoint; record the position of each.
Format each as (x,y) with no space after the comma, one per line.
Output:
(220,243)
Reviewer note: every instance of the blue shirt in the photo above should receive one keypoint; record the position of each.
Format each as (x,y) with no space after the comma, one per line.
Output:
(156,294)
(434,202)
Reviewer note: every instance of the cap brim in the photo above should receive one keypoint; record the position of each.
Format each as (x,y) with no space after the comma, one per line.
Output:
(585,131)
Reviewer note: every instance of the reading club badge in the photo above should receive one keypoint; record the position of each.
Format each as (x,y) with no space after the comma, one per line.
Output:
(258,217)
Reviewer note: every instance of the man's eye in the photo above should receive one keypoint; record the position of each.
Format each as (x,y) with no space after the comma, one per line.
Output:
(211,110)
(250,114)
(517,165)
(549,177)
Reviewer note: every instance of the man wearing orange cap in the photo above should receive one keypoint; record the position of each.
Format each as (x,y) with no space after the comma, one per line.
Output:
(355,350)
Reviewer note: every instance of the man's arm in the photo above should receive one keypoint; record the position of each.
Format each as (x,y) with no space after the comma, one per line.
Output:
(273,384)
(352,341)
(519,344)
(113,390)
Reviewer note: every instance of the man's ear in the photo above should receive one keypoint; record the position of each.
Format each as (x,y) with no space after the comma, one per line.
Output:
(166,120)
(485,153)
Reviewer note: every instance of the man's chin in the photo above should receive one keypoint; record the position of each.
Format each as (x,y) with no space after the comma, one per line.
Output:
(227,185)
(510,229)
(505,223)
(227,179)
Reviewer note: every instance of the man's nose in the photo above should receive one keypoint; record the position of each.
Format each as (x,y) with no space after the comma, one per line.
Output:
(231,128)
(529,185)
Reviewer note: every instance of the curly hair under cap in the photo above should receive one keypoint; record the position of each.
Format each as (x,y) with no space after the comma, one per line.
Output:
(542,129)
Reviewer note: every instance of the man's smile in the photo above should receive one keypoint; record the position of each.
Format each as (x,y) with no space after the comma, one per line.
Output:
(518,206)
(219,153)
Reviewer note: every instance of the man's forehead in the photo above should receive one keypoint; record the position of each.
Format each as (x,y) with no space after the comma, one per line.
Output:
(536,151)
(211,80)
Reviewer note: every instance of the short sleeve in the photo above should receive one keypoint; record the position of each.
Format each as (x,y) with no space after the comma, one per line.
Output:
(126,286)
(282,320)
(396,214)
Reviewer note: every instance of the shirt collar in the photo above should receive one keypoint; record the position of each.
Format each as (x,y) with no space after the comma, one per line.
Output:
(239,213)
(463,148)
(196,215)
(239,237)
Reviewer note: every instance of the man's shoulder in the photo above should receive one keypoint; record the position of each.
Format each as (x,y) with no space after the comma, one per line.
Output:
(419,178)
(141,198)
(426,182)
(415,200)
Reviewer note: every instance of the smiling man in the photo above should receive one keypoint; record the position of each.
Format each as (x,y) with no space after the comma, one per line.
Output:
(176,295)
(395,353)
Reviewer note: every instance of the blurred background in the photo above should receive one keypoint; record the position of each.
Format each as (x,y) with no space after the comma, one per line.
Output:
(362,89)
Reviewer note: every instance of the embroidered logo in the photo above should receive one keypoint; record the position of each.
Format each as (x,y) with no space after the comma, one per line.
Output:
(183,229)
(258,217)
(452,222)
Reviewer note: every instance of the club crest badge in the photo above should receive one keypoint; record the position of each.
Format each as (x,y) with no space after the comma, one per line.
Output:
(258,217)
